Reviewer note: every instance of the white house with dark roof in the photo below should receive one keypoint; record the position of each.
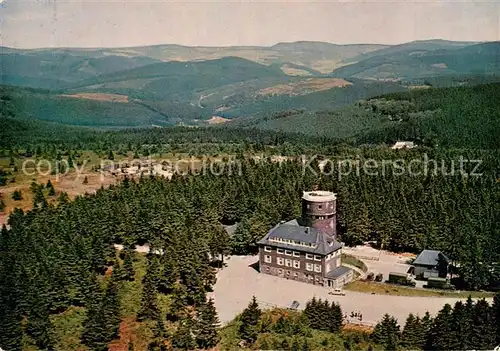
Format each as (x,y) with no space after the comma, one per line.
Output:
(431,263)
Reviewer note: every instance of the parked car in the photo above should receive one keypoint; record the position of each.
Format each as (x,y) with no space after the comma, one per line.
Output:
(337,291)
(379,277)
(295,305)
(370,276)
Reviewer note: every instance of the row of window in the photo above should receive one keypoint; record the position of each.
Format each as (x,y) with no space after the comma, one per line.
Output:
(295,274)
(293,253)
(330,205)
(293,263)
(292,242)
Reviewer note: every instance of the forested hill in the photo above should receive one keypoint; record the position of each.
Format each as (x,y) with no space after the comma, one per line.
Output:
(63,285)
(447,117)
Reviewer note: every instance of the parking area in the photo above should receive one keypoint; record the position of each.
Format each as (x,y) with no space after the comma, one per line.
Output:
(238,282)
(379,261)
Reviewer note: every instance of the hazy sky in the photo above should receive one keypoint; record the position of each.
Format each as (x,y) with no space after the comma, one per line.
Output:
(111,23)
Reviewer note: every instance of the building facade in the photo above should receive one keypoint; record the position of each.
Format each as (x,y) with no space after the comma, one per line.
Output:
(431,263)
(306,249)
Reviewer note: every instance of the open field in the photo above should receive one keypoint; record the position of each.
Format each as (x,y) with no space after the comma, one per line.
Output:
(303,87)
(98,97)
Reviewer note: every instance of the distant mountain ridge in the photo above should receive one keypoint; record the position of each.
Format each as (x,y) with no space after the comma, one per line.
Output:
(175,84)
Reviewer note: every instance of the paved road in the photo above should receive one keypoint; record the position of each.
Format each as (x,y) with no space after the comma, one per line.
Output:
(238,282)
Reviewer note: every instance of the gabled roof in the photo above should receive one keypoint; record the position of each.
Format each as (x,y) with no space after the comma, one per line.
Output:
(323,244)
(429,258)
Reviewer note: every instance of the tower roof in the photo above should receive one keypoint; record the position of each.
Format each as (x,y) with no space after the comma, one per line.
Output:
(318,196)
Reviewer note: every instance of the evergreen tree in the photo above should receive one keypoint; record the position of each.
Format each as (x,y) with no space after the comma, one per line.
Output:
(462,324)
(249,320)
(183,337)
(128,267)
(17,195)
(410,335)
(111,310)
(206,326)
(39,326)
(483,335)
(496,315)
(94,334)
(386,333)
(149,304)
(441,336)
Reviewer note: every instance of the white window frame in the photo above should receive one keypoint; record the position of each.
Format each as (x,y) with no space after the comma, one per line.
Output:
(296,264)
(280,261)
(288,262)
(317,268)
(296,254)
(310,267)
(268,259)
(280,271)
(309,256)
(317,258)
(288,252)
(280,251)
(267,248)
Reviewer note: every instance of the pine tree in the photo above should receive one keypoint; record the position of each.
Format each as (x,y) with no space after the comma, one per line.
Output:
(128,266)
(496,315)
(183,336)
(149,304)
(441,336)
(409,336)
(483,336)
(462,324)
(386,332)
(249,320)
(424,331)
(206,326)
(111,310)
(94,334)
(39,326)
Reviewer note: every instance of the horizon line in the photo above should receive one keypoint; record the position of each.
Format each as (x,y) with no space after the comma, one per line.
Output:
(243,46)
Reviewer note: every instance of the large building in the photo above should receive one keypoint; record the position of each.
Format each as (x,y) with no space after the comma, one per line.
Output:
(306,249)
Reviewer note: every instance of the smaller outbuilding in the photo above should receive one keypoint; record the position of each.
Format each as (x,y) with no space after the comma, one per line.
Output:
(431,263)
(403,145)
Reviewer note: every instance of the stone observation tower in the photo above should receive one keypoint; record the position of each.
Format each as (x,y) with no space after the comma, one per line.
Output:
(319,211)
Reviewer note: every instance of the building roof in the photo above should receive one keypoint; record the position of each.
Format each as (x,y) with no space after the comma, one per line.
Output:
(321,243)
(403,145)
(429,258)
(338,272)
(318,196)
